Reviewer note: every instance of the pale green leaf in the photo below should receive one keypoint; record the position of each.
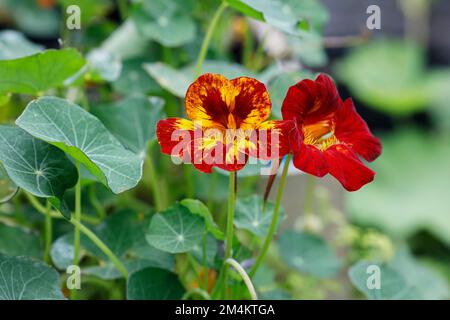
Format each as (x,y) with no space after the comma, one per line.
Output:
(84,137)
(175,230)
(308,253)
(23,278)
(393,285)
(142,112)
(36,166)
(39,72)
(249,215)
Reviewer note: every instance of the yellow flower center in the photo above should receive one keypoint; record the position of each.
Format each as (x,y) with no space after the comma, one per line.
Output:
(320,134)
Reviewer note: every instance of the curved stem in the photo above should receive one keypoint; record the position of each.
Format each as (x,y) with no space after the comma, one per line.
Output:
(83,229)
(101,245)
(274,222)
(196,291)
(207,39)
(244,276)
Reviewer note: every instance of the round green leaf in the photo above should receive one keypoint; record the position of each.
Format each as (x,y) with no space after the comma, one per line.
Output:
(39,72)
(308,253)
(85,138)
(164,22)
(36,166)
(154,284)
(23,278)
(175,230)
(249,215)
(143,112)
(199,208)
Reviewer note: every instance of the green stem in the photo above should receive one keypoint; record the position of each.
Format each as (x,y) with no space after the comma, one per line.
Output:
(196,291)
(123,9)
(229,231)
(207,39)
(77,217)
(48,233)
(101,245)
(76,233)
(154,181)
(274,222)
(244,276)
(83,229)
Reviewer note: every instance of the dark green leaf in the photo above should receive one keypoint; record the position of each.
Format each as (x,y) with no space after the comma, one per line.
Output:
(8,189)
(84,137)
(16,241)
(154,284)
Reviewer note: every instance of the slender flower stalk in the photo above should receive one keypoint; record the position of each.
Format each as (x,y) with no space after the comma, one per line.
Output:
(48,233)
(208,36)
(230,229)
(274,222)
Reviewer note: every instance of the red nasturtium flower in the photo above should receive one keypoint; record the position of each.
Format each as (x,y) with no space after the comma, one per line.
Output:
(329,136)
(227,124)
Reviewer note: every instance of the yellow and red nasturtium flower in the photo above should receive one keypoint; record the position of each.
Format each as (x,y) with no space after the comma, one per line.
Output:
(227,124)
(329,136)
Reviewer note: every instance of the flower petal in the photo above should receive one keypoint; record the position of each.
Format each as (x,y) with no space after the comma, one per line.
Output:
(175,133)
(345,166)
(311,100)
(218,102)
(252,104)
(353,131)
(272,140)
